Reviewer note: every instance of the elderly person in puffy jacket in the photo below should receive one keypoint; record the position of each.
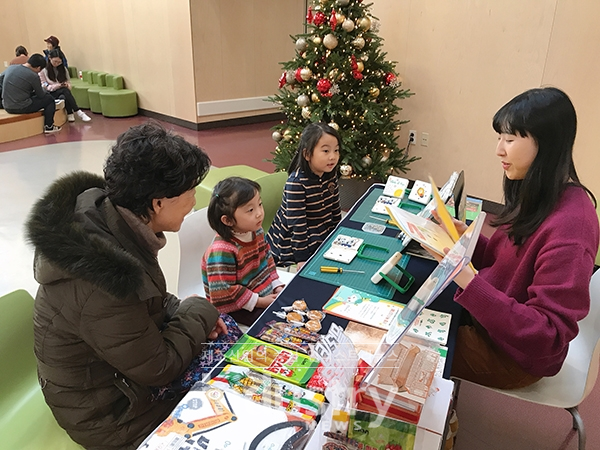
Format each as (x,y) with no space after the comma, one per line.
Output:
(106,329)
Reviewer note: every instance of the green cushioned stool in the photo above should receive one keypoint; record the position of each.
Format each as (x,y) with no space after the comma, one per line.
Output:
(271,193)
(74,74)
(26,422)
(94,91)
(117,101)
(79,90)
(216,174)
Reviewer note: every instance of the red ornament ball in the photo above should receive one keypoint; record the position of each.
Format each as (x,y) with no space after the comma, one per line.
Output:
(323,85)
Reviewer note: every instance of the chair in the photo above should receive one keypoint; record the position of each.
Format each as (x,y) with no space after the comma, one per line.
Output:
(216,174)
(116,101)
(26,422)
(271,192)
(577,377)
(101,80)
(80,90)
(195,236)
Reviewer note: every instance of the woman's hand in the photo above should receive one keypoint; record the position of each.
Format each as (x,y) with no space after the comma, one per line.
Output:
(219,329)
(464,277)
(264,302)
(460,226)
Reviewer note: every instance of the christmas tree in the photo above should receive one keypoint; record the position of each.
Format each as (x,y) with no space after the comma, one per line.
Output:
(340,76)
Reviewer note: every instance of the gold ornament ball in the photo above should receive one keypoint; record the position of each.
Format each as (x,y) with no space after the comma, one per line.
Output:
(339,17)
(385,154)
(276,136)
(330,41)
(315,98)
(360,66)
(364,23)
(358,43)
(348,25)
(317,40)
(306,112)
(287,135)
(306,74)
(303,100)
(333,74)
(366,161)
(334,125)
(346,170)
(374,92)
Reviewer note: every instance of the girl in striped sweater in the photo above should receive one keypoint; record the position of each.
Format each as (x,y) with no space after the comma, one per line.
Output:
(238,271)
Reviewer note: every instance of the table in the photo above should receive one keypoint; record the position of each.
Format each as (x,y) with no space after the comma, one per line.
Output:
(317,293)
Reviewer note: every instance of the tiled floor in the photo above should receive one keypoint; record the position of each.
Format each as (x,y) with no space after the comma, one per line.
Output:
(487,421)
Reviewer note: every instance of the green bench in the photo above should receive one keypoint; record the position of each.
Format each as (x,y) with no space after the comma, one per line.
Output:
(26,422)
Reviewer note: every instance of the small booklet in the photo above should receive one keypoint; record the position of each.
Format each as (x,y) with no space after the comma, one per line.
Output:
(395,187)
(343,248)
(369,309)
(382,201)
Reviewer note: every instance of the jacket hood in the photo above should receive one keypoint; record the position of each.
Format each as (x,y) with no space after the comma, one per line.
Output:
(80,245)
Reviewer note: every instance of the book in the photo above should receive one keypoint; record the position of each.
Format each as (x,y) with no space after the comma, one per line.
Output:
(383,201)
(343,248)
(266,390)
(473,207)
(209,418)
(369,309)
(285,364)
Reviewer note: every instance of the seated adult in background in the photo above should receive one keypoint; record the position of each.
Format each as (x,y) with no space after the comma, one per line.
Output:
(21,56)
(52,44)
(22,91)
(55,79)
(106,329)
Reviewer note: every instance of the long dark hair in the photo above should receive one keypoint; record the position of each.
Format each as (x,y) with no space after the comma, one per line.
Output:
(58,73)
(308,141)
(548,117)
(227,196)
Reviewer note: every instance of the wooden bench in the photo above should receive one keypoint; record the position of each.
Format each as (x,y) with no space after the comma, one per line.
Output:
(20,126)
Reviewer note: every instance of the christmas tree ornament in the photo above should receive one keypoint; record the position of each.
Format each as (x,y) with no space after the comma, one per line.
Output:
(276,136)
(298,75)
(375,25)
(366,161)
(290,76)
(317,40)
(333,20)
(315,98)
(309,15)
(340,18)
(342,2)
(360,66)
(358,43)
(287,135)
(330,41)
(374,92)
(306,112)
(346,170)
(282,80)
(335,89)
(320,19)
(385,154)
(306,74)
(334,125)
(333,74)
(303,100)
(348,25)
(323,85)
(364,58)
(364,23)
(301,44)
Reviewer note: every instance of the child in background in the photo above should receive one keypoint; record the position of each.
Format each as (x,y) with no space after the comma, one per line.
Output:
(310,208)
(238,271)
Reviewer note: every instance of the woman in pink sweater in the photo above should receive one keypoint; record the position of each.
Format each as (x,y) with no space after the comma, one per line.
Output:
(532,284)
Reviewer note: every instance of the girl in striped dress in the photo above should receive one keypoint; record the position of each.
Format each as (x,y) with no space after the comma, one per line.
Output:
(238,270)
(310,208)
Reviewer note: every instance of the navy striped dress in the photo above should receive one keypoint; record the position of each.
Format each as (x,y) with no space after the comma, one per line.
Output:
(309,211)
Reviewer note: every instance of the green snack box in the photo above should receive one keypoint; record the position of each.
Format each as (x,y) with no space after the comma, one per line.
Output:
(272,360)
